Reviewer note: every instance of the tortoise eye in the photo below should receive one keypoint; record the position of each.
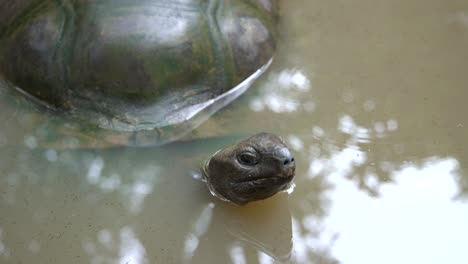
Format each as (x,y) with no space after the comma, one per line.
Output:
(247,158)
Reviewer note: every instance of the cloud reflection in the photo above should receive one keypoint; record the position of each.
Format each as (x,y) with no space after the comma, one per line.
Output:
(135,191)
(281,93)
(407,207)
(131,249)
(199,228)
(123,247)
(416,206)
(237,254)
(4,251)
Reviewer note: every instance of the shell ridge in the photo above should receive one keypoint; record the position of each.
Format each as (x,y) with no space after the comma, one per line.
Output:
(217,42)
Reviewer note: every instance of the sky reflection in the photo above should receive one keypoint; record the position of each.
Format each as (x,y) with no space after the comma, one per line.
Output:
(377,206)
(237,254)
(133,192)
(415,220)
(4,252)
(123,247)
(199,229)
(131,249)
(281,93)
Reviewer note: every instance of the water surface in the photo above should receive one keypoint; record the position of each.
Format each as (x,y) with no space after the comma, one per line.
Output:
(371,97)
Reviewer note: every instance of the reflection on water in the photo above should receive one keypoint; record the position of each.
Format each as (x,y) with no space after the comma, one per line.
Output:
(370,98)
(290,83)
(94,204)
(198,230)
(124,248)
(415,218)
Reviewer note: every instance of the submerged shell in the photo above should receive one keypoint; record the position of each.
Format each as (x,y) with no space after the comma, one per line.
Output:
(137,69)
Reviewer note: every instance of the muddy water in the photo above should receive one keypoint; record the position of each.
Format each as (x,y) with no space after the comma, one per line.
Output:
(371,97)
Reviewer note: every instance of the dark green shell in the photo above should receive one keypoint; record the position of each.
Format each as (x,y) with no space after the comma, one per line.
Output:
(131,65)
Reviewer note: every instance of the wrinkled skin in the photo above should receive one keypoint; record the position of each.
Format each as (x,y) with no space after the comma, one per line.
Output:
(253,169)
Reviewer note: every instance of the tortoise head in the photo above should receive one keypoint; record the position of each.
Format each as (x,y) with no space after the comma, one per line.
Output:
(253,169)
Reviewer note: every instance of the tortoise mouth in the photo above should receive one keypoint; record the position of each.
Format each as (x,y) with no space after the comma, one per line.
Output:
(262,180)
(260,188)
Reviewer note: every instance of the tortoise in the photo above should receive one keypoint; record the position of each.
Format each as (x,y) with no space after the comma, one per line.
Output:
(252,169)
(145,72)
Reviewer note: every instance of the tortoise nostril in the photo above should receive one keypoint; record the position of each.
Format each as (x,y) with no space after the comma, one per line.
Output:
(285,157)
(288,161)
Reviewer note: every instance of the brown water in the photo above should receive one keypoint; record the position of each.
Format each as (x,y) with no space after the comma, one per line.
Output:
(370,95)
